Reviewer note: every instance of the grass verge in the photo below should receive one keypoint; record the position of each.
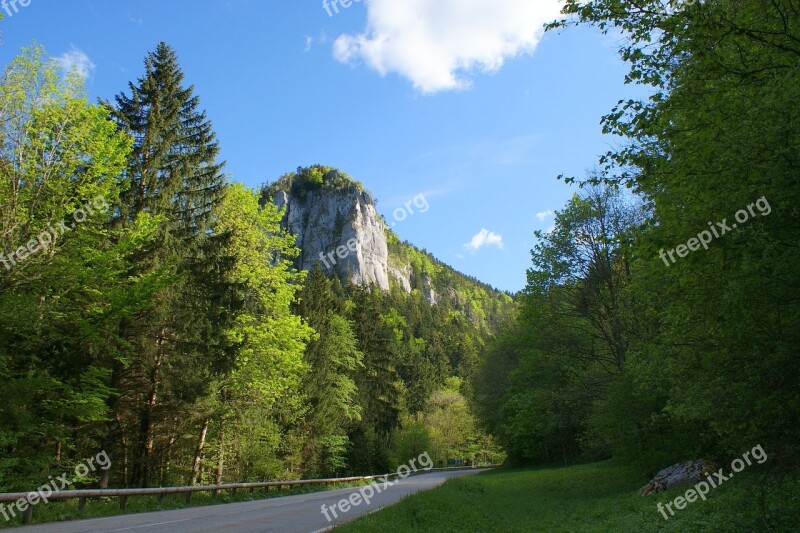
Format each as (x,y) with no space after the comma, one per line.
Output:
(599,497)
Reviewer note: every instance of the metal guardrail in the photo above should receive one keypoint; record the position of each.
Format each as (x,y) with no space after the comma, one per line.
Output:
(160,492)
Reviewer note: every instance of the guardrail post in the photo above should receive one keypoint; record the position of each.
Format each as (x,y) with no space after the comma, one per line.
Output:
(81,504)
(27,515)
(233,493)
(160,498)
(123,502)
(188,497)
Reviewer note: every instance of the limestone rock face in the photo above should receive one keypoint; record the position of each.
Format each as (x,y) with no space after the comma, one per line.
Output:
(337,226)
(427,287)
(343,228)
(402,274)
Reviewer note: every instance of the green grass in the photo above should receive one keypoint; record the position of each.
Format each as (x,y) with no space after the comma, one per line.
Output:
(599,497)
(95,508)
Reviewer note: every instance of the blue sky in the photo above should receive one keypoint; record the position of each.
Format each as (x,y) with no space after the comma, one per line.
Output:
(460,100)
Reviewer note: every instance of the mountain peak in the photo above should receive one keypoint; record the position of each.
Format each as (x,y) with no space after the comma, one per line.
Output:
(337,226)
(315,178)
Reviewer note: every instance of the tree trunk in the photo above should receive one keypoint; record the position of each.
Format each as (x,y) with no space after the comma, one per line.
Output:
(198,454)
(146,437)
(221,458)
(165,476)
(114,433)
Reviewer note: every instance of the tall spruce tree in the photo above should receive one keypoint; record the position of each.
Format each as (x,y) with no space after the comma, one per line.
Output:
(173,174)
(173,170)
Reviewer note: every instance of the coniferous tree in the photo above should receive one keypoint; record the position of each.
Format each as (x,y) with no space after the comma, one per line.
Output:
(379,385)
(333,360)
(173,174)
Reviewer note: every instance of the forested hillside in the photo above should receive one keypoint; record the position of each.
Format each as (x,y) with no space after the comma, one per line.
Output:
(660,321)
(153,309)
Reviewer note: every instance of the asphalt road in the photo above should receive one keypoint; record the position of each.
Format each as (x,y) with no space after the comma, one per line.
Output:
(290,514)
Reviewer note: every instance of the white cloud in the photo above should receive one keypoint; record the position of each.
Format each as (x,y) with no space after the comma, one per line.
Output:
(438,44)
(77,59)
(484,238)
(309,43)
(545,214)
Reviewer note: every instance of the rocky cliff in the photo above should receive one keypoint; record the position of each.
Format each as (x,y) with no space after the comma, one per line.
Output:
(341,230)
(337,226)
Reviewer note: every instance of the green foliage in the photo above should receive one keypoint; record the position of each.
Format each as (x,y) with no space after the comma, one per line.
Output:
(61,308)
(311,179)
(378,383)
(179,344)
(622,351)
(330,388)
(255,404)
(485,306)
(446,429)
(541,383)
(719,133)
(599,497)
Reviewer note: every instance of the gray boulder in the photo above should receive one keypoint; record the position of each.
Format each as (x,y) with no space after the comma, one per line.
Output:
(679,475)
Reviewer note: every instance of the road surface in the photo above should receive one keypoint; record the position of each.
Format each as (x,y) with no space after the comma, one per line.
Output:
(289,514)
